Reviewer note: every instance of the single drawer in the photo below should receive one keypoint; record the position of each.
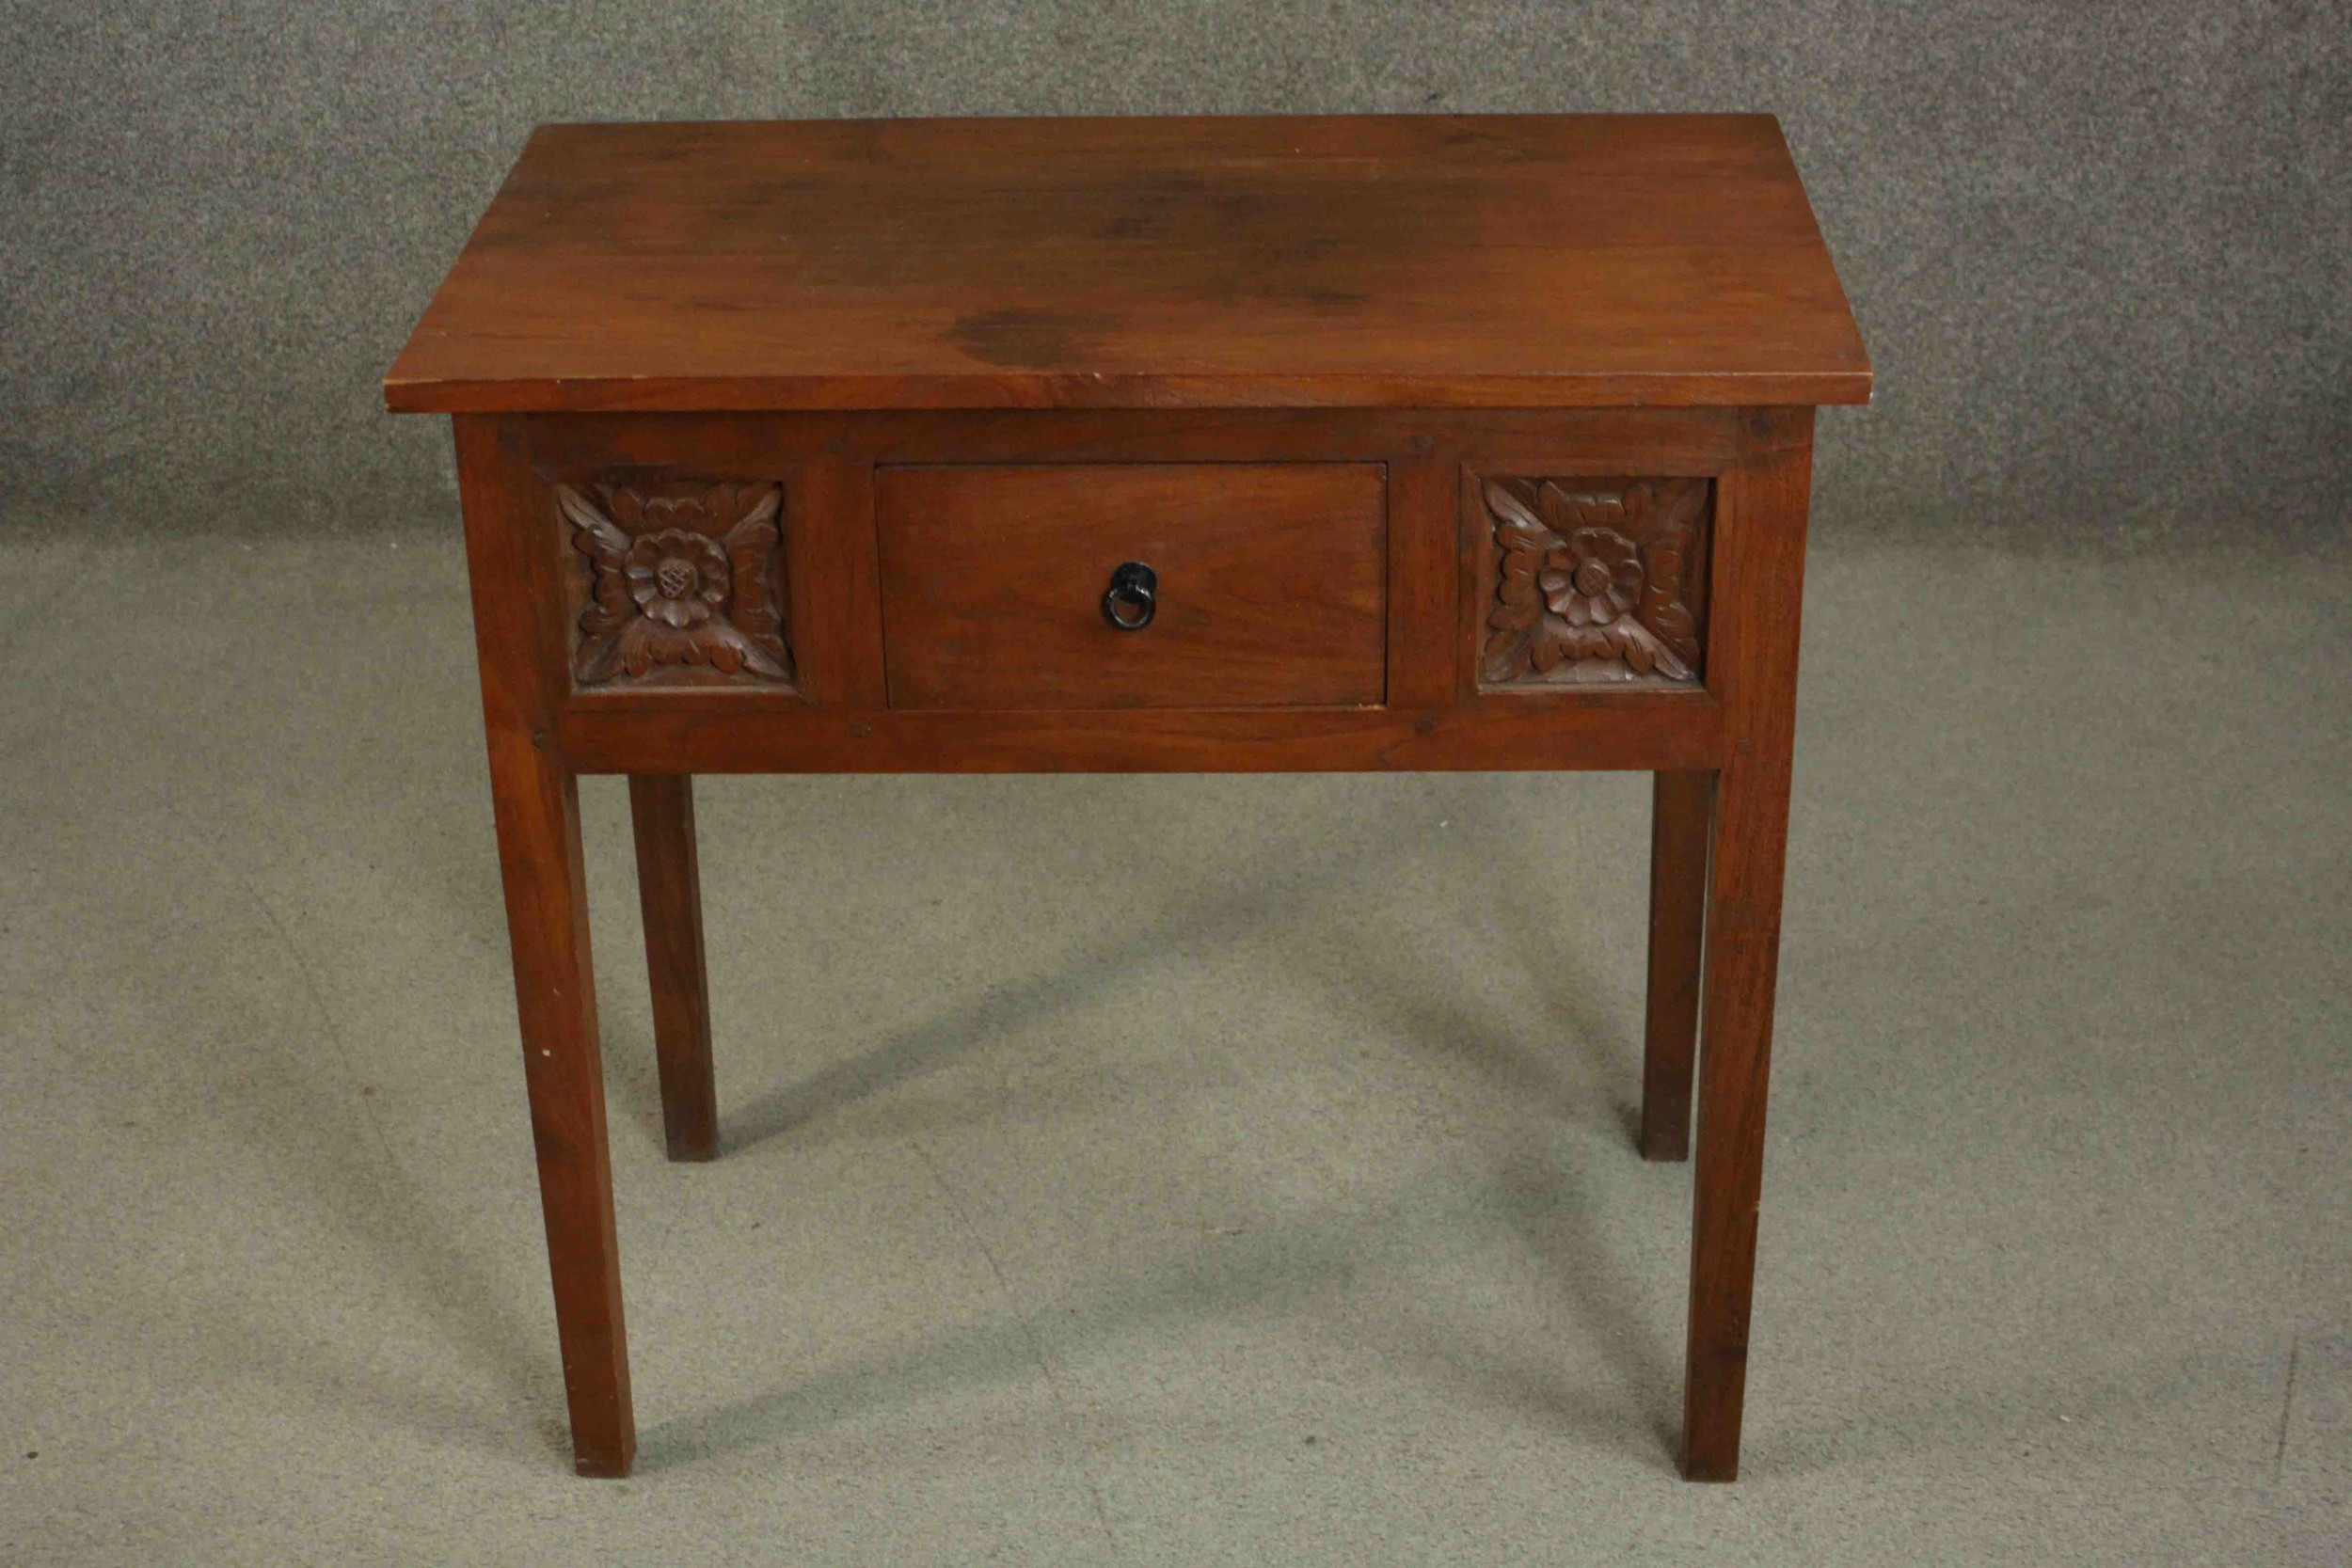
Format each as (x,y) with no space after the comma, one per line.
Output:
(1268,585)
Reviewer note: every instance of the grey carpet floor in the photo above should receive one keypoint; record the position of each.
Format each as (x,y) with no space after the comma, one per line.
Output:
(1183,1171)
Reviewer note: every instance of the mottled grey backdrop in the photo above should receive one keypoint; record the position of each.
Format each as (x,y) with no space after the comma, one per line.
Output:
(2100,252)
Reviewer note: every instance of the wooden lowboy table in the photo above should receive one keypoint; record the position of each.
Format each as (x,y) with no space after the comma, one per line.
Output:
(1140,445)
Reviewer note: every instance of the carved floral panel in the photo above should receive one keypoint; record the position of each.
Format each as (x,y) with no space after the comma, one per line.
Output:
(1592,580)
(683,584)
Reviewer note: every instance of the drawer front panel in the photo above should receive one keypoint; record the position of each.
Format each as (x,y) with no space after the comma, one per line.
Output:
(1269,585)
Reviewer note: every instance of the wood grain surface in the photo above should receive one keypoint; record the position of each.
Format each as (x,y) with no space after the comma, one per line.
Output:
(1409,260)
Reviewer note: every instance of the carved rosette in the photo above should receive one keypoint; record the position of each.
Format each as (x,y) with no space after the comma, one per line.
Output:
(1593,581)
(682,584)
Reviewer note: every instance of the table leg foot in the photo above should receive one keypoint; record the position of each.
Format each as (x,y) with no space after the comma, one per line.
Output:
(612,1466)
(1705,1468)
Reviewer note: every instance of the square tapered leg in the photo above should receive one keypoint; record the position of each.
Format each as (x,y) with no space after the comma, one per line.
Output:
(547,916)
(669,887)
(1753,671)
(1681,812)
(535,800)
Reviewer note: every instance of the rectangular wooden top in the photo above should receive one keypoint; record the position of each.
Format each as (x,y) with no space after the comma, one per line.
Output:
(1407,260)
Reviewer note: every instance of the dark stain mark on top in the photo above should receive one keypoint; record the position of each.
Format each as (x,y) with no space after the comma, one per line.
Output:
(1021,339)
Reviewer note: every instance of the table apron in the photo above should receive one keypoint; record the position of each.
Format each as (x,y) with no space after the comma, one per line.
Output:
(1655,731)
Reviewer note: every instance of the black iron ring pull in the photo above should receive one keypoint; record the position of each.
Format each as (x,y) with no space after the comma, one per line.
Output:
(1131,599)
